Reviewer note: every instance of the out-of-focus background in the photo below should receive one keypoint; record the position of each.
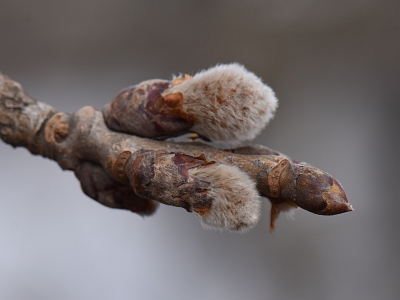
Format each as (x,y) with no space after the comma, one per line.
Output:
(334,65)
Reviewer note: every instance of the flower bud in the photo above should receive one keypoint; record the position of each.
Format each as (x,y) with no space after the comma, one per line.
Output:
(225,103)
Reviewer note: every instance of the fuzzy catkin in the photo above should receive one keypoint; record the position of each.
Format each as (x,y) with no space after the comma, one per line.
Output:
(236,204)
(227,102)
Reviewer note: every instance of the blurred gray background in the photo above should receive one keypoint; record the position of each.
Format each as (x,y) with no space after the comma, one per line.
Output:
(334,65)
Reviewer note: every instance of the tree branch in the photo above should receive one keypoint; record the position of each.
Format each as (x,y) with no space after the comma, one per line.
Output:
(125,171)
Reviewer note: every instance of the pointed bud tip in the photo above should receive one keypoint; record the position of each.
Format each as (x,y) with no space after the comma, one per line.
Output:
(336,200)
(320,193)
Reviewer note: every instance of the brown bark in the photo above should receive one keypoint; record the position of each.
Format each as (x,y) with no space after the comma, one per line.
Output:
(125,171)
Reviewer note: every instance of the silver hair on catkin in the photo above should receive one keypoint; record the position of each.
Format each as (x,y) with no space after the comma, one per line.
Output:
(226,103)
(236,205)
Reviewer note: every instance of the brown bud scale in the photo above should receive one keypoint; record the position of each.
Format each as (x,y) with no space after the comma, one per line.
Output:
(118,168)
(141,110)
(274,177)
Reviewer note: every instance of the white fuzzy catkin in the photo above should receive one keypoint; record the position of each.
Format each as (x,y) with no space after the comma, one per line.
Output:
(228,103)
(236,205)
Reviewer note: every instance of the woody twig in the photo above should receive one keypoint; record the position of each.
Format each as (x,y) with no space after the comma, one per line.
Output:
(121,170)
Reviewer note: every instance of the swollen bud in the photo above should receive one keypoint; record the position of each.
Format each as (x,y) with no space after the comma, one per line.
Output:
(225,103)
(236,205)
(222,196)
(98,185)
(141,110)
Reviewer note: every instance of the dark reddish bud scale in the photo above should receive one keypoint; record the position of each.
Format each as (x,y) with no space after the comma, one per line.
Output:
(141,110)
